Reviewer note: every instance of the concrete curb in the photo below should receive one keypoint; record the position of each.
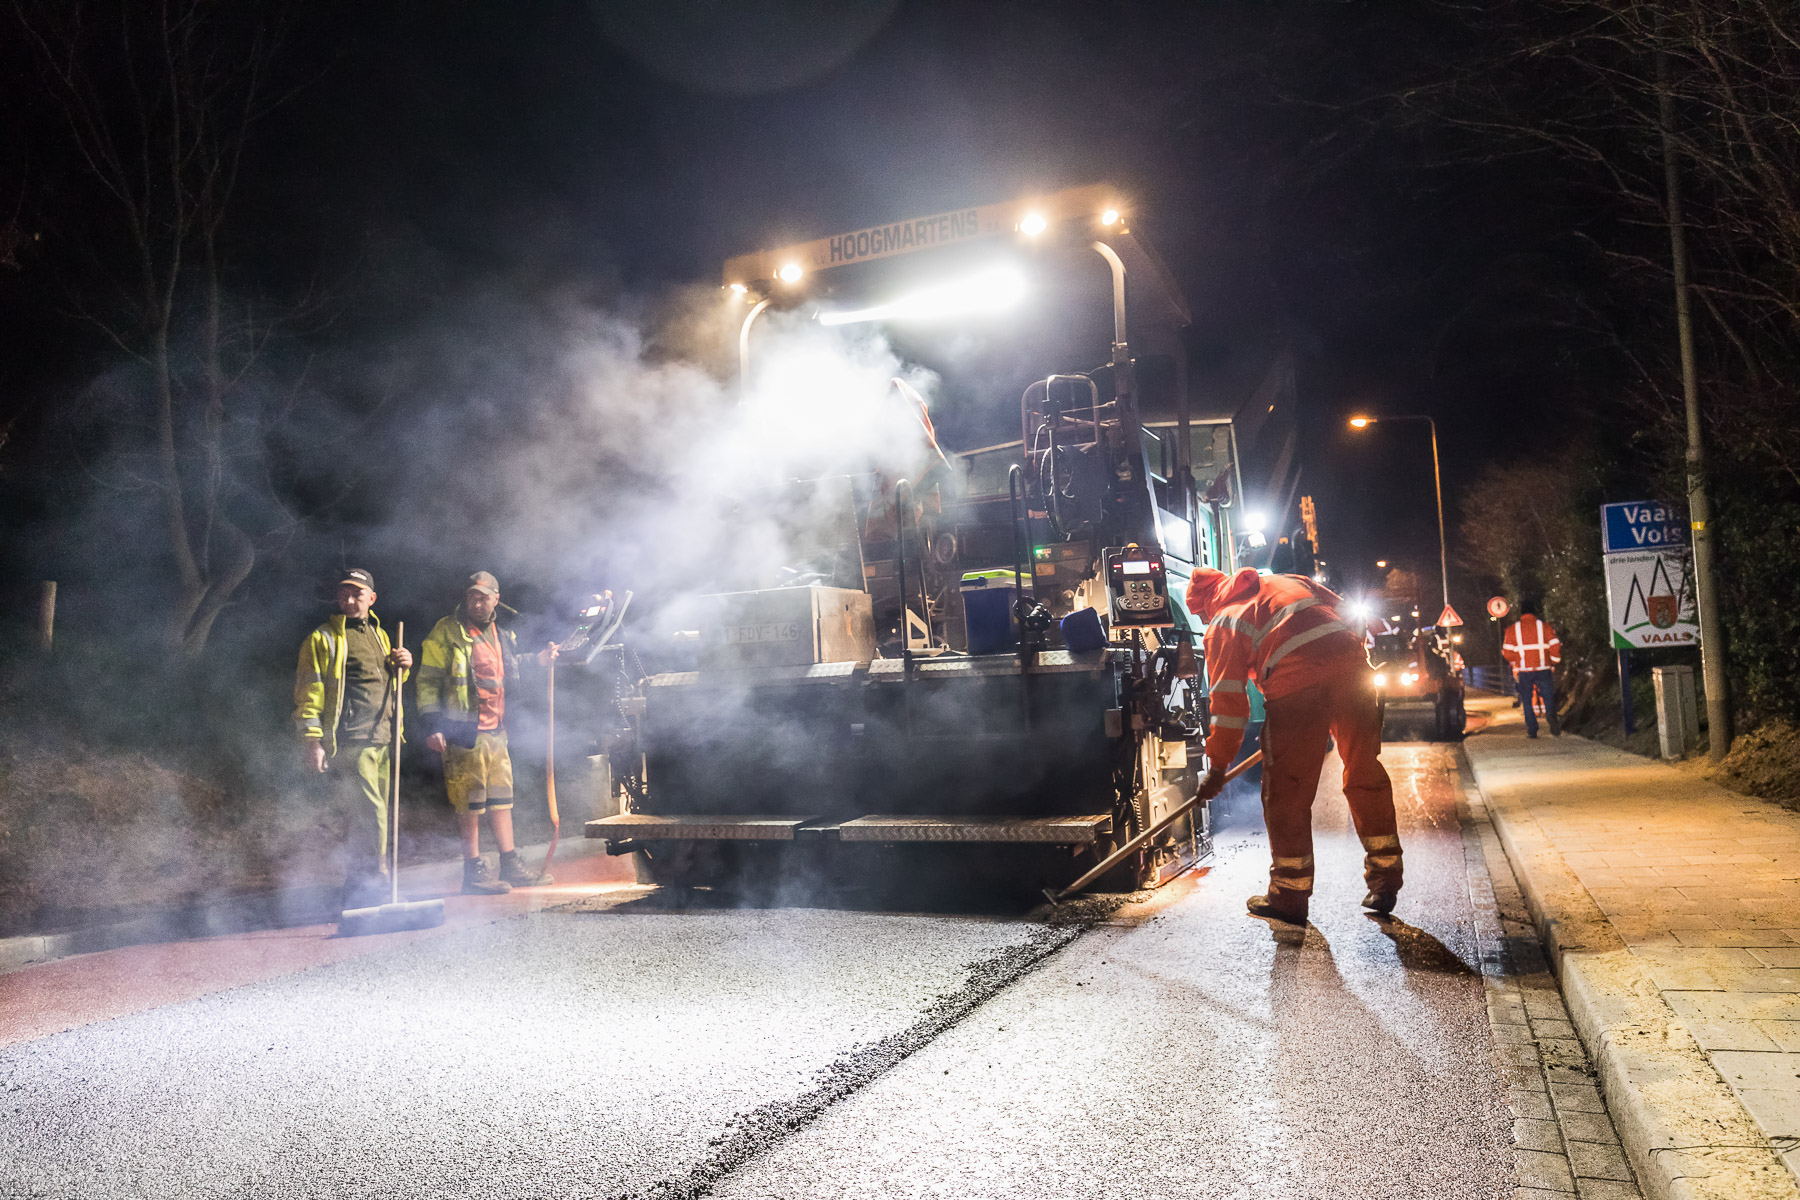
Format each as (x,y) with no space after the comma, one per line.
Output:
(1687,1135)
(282,908)
(235,914)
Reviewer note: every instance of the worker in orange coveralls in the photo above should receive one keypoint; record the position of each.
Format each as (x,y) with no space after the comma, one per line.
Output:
(1284,632)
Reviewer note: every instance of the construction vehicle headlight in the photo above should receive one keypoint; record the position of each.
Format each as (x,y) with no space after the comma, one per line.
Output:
(1409,679)
(790,273)
(1380,679)
(738,289)
(1110,217)
(1033,224)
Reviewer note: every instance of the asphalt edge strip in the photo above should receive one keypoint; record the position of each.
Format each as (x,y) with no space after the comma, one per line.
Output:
(1685,1132)
(762,1128)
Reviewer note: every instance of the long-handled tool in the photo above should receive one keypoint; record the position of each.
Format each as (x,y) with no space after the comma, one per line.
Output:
(395,915)
(1129,848)
(550,774)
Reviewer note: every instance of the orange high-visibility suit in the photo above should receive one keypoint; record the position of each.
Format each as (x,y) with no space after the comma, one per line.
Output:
(1284,632)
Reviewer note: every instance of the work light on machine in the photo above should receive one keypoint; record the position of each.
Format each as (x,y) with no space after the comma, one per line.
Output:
(1110,217)
(790,273)
(1033,223)
(989,291)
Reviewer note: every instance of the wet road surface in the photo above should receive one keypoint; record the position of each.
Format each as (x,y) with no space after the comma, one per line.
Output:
(1179,1048)
(1204,1054)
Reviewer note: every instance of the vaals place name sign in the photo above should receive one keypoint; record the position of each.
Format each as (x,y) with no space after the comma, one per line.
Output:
(1649,589)
(1641,525)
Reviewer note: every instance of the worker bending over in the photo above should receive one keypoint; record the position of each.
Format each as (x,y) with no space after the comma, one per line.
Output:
(1283,632)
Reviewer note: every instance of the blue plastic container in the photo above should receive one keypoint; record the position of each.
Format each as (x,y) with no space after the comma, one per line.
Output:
(987,598)
(1082,631)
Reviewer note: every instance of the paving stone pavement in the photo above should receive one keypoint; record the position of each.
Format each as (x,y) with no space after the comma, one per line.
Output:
(1700,884)
(1564,1140)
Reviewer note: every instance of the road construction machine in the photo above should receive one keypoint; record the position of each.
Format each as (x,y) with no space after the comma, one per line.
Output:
(984,670)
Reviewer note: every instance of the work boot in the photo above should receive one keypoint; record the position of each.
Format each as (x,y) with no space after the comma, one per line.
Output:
(517,874)
(479,881)
(1262,906)
(1381,902)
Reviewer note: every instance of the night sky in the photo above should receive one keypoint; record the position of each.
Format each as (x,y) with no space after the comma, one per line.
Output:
(441,163)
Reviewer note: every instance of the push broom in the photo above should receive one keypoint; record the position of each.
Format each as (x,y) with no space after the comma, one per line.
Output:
(550,777)
(395,915)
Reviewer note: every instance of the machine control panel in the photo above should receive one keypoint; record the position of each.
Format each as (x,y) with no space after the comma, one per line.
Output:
(1137,589)
(595,624)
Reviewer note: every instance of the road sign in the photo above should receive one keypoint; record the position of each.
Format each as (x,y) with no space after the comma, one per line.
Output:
(1650,599)
(1641,525)
(1449,617)
(1498,607)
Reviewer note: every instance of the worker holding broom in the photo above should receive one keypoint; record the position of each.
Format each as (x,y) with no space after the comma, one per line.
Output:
(464,667)
(1284,632)
(345,689)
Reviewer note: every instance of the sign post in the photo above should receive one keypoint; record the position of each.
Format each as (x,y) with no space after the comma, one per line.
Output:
(1649,589)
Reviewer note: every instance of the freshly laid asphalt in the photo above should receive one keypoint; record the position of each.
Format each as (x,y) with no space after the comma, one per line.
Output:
(1178,1049)
(1200,1055)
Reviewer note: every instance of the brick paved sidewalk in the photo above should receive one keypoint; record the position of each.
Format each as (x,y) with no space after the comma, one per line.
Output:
(1672,909)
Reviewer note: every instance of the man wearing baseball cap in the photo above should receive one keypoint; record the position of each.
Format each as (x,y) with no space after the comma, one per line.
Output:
(464,667)
(345,689)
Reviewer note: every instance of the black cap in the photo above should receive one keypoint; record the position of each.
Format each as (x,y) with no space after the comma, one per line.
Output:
(359,577)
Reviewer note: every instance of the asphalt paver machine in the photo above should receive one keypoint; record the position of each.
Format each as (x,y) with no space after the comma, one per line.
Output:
(989,674)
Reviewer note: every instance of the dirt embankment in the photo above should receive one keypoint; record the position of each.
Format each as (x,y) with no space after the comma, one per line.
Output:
(1763,762)
(87,835)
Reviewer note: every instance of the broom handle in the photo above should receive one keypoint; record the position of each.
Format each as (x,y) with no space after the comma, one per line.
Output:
(1117,856)
(394,774)
(550,772)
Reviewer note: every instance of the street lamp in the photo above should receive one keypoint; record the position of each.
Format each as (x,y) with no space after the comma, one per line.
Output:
(1437,479)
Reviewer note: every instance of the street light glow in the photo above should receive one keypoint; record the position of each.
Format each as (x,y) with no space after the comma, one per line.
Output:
(1381,562)
(790,273)
(989,291)
(1361,422)
(1033,224)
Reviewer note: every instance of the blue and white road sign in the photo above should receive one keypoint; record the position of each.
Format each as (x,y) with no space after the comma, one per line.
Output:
(1642,525)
